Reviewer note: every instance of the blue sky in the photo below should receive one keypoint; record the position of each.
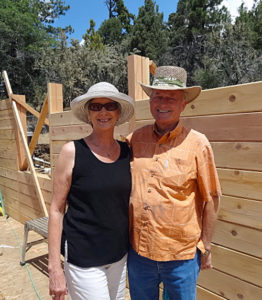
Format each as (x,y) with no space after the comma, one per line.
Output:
(81,11)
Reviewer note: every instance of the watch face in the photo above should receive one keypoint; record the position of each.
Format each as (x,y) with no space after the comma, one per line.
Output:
(206,253)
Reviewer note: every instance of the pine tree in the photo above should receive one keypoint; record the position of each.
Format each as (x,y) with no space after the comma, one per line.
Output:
(251,23)
(92,38)
(25,29)
(118,26)
(149,33)
(189,27)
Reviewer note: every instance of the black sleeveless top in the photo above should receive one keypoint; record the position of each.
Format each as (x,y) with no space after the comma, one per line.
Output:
(95,225)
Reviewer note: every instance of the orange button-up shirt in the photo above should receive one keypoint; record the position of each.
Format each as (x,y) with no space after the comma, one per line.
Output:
(172,177)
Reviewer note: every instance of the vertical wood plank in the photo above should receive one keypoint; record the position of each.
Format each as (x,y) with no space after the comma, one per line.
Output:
(55,97)
(55,105)
(21,153)
(138,71)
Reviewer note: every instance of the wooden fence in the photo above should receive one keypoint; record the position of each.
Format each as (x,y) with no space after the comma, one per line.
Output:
(231,118)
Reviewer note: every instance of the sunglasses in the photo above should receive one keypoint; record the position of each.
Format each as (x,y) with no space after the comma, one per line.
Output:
(109,106)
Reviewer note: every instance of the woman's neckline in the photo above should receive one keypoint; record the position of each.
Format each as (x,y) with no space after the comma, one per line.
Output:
(98,159)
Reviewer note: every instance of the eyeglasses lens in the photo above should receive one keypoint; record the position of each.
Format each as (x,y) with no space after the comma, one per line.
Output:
(109,106)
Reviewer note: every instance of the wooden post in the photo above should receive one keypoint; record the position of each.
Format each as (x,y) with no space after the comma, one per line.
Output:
(55,97)
(39,125)
(20,128)
(55,105)
(138,71)
(21,153)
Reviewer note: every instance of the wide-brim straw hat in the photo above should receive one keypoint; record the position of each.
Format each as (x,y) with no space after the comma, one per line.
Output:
(103,90)
(171,78)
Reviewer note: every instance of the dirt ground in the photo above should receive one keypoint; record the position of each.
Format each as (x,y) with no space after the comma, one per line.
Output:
(17,282)
(21,282)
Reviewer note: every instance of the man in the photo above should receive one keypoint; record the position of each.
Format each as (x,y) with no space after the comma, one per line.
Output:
(175,195)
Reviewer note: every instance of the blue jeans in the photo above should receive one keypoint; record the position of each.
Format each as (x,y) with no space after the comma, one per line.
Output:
(179,277)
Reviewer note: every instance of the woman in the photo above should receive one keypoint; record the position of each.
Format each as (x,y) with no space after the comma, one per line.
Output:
(93,177)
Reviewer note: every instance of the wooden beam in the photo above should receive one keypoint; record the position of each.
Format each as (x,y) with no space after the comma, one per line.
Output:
(20,128)
(239,238)
(152,67)
(227,286)
(138,71)
(241,211)
(246,127)
(28,107)
(55,105)
(55,97)
(240,183)
(21,153)
(39,125)
(245,267)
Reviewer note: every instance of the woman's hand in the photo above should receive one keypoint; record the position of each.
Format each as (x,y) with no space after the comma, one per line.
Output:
(57,284)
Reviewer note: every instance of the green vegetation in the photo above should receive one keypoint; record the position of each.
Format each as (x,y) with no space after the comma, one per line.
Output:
(199,36)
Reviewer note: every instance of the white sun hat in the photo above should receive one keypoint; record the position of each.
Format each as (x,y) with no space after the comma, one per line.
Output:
(171,78)
(103,90)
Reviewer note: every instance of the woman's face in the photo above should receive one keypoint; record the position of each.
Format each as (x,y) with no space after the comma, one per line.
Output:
(103,113)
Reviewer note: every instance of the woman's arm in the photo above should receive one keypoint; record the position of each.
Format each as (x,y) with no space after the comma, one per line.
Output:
(61,187)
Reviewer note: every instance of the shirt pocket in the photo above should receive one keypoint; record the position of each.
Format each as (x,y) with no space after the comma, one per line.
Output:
(179,175)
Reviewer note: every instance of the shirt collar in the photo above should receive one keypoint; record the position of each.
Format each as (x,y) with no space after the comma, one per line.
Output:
(169,135)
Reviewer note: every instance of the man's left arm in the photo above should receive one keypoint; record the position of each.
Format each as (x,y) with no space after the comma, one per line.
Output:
(208,224)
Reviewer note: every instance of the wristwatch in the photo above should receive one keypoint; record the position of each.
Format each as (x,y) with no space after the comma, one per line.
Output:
(207,252)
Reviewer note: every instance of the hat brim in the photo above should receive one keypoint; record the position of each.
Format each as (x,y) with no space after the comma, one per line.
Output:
(191,92)
(126,104)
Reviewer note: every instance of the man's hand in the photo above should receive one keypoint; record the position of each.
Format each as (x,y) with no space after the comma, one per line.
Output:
(206,261)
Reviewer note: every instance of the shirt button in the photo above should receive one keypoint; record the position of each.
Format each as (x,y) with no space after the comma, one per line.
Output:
(149,190)
(156,159)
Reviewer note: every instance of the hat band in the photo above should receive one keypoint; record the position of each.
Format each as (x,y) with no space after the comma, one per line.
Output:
(168,81)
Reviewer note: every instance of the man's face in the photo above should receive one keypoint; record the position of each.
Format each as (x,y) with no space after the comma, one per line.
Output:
(166,107)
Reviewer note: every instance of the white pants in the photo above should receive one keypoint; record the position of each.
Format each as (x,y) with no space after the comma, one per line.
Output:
(97,283)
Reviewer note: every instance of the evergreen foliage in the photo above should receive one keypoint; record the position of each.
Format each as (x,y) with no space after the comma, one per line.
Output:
(189,27)
(200,36)
(78,67)
(118,26)
(149,34)
(92,38)
(25,31)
